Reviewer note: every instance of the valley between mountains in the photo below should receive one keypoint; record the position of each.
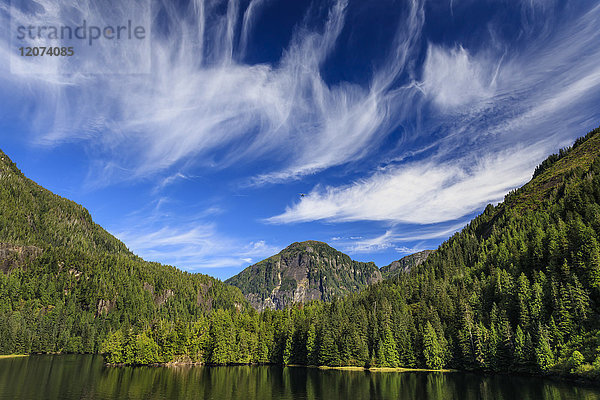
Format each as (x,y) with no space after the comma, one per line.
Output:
(517,290)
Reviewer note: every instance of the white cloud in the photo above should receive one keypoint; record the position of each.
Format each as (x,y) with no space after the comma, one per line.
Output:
(452,77)
(395,238)
(435,231)
(192,246)
(157,233)
(169,180)
(409,250)
(401,238)
(200,100)
(421,192)
(249,18)
(371,245)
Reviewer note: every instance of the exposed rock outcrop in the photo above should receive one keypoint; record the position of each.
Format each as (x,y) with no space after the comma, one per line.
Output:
(405,264)
(13,256)
(302,272)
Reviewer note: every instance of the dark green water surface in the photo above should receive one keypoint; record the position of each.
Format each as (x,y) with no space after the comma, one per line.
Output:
(85,377)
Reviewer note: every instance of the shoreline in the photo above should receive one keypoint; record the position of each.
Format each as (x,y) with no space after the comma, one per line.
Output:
(587,380)
(4,356)
(372,369)
(552,375)
(385,369)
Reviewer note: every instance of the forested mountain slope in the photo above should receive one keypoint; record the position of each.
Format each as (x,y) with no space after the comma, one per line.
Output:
(32,215)
(65,282)
(405,264)
(302,272)
(518,289)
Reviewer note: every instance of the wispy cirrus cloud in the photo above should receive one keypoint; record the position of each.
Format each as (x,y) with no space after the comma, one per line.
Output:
(432,131)
(201,102)
(188,238)
(370,245)
(452,78)
(171,179)
(193,246)
(401,239)
(499,115)
(419,193)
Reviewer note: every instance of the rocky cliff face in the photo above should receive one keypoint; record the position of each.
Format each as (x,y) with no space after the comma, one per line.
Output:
(13,256)
(404,264)
(302,272)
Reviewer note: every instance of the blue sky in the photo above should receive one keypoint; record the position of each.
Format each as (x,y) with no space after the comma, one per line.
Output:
(399,120)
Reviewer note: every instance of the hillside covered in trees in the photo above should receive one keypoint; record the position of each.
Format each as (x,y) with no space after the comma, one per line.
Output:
(518,289)
(65,282)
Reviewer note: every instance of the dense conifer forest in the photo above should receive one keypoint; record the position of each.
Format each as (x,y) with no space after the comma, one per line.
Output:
(66,283)
(518,289)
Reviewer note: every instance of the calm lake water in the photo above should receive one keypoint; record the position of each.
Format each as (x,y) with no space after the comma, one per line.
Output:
(85,377)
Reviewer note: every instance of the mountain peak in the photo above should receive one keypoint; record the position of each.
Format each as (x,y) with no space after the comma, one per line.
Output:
(303,271)
(308,244)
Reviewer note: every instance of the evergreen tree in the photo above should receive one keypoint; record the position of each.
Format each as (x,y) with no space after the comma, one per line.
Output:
(113,348)
(287,351)
(311,342)
(387,355)
(575,361)
(146,350)
(520,346)
(221,338)
(328,351)
(543,352)
(432,350)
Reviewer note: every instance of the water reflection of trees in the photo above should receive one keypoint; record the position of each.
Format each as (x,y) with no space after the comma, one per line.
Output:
(76,377)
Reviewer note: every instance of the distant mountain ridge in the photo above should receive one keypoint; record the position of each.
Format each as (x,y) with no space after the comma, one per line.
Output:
(302,272)
(312,270)
(405,264)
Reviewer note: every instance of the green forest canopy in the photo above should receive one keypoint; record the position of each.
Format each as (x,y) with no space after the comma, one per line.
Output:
(517,289)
